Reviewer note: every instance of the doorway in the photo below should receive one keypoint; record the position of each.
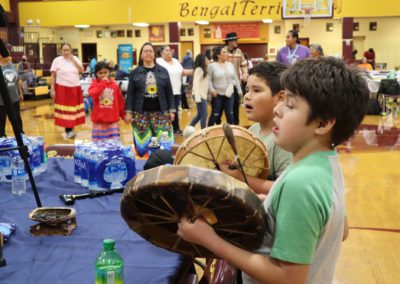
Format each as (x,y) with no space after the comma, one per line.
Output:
(32,53)
(89,50)
(185,46)
(305,41)
(49,51)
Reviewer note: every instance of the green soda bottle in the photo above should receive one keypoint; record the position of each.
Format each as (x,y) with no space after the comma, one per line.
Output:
(109,265)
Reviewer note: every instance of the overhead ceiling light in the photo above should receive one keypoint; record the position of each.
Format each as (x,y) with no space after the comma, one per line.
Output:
(143,25)
(82,26)
(202,22)
(267,21)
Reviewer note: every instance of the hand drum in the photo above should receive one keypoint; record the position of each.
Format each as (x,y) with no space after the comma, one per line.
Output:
(208,148)
(154,201)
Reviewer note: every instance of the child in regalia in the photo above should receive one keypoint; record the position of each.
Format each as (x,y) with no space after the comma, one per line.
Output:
(108,105)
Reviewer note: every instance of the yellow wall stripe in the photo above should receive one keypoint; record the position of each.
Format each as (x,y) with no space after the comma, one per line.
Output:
(94,12)
(6,5)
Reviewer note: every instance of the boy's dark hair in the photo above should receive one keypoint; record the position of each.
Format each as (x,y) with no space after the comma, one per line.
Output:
(270,72)
(332,91)
(101,65)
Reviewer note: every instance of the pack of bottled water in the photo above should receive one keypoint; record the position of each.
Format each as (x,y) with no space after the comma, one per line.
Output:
(37,156)
(165,142)
(104,164)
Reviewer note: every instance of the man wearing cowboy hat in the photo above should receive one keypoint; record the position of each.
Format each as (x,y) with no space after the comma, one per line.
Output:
(236,57)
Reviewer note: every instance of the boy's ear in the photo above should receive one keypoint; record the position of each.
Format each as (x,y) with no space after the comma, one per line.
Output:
(281,96)
(324,127)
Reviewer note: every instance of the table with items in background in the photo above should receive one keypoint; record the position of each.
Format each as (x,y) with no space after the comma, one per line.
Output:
(71,259)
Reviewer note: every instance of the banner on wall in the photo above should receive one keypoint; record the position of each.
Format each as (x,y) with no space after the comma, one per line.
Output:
(156,33)
(243,30)
(125,59)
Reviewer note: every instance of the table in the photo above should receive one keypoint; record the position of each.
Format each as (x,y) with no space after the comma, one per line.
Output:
(59,259)
(377,77)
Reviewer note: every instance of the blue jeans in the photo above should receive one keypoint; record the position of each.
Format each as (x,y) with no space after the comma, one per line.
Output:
(218,104)
(236,108)
(201,114)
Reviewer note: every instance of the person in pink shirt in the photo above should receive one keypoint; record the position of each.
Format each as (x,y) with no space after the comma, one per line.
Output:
(66,90)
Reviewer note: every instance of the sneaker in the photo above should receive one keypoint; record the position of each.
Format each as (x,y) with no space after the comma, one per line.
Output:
(70,134)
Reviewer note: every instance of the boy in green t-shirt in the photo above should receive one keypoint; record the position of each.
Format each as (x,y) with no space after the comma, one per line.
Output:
(264,92)
(325,103)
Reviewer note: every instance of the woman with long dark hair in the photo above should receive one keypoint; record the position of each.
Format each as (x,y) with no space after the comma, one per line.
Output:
(200,89)
(149,105)
(175,71)
(222,80)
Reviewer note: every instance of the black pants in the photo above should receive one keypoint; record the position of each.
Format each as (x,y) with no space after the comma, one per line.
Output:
(175,123)
(3,118)
(236,108)
(185,104)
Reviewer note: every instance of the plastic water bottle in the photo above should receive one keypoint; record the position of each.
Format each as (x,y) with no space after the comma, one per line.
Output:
(154,145)
(129,153)
(109,265)
(6,160)
(165,141)
(392,74)
(116,172)
(77,166)
(84,164)
(43,156)
(18,184)
(95,158)
(36,156)
(5,165)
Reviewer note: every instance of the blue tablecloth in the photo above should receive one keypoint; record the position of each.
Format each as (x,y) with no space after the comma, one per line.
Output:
(71,259)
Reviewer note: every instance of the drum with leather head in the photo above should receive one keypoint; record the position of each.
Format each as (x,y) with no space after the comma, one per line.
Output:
(208,148)
(155,200)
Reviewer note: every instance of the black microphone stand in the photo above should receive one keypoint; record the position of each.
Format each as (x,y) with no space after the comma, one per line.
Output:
(23,149)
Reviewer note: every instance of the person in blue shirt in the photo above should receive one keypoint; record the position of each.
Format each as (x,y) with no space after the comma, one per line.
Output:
(92,65)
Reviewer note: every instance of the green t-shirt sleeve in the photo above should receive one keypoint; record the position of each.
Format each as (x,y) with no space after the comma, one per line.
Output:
(300,215)
(282,159)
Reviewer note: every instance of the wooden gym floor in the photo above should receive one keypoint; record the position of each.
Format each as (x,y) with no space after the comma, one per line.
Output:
(371,169)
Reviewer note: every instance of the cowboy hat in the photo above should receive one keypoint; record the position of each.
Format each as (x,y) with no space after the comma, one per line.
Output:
(231,36)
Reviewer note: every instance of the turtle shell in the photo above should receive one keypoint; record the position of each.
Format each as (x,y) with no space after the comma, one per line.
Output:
(52,215)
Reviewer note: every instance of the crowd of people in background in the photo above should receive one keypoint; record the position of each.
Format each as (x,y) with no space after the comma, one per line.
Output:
(159,85)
